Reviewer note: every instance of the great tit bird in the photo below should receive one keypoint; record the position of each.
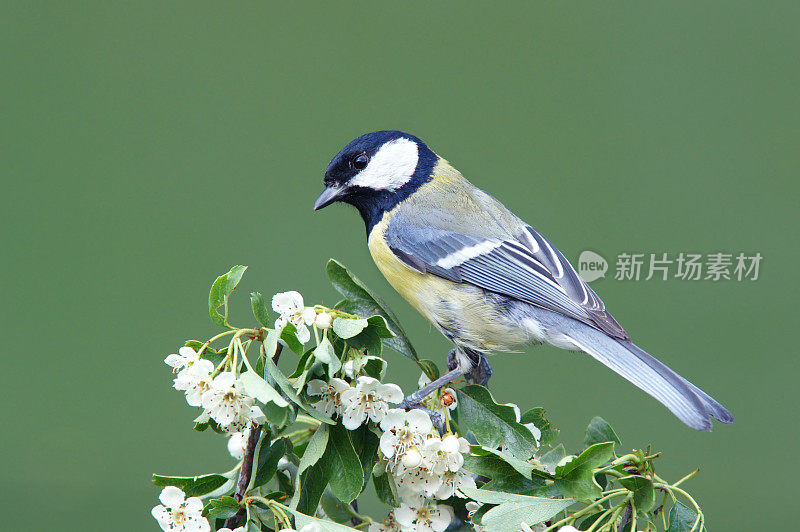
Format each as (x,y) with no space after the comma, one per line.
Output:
(486,279)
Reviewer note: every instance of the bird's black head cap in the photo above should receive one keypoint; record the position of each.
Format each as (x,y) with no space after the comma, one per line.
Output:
(376,171)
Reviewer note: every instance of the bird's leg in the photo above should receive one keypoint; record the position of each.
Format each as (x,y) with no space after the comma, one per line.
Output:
(452,360)
(481,372)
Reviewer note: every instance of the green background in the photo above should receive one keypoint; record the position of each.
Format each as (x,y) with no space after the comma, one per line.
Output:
(148,146)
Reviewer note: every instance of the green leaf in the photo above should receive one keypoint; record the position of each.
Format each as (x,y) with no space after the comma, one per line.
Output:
(313,472)
(589,521)
(334,508)
(380,327)
(552,457)
(302,520)
(575,479)
(509,516)
(257,387)
(276,415)
(315,448)
(681,518)
(267,464)
(312,486)
(347,476)
(549,434)
(289,336)
(430,369)
(348,327)
(362,302)
(260,311)
(599,431)
(499,497)
(489,466)
(286,386)
(252,526)
(386,489)
(491,423)
(516,484)
(220,291)
(192,486)
(526,469)
(372,337)
(222,508)
(642,489)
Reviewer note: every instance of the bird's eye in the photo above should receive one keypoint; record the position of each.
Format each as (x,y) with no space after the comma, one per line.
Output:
(360,161)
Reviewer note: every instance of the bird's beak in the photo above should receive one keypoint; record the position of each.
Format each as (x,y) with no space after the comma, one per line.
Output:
(328,196)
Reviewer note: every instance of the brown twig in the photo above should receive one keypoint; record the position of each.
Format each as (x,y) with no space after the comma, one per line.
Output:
(355,521)
(244,474)
(627,513)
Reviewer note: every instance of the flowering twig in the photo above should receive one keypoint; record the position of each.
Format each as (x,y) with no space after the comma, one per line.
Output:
(334,410)
(244,474)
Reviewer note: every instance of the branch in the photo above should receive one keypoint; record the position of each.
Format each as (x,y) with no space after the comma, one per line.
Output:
(626,517)
(244,474)
(247,462)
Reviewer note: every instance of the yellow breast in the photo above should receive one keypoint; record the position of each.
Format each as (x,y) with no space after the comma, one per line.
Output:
(418,289)
(461,312)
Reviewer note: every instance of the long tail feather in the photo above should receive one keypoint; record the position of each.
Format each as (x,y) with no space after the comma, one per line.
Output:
(688,402)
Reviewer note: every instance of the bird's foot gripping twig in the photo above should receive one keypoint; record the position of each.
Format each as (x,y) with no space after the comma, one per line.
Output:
(421,394)
(481,371)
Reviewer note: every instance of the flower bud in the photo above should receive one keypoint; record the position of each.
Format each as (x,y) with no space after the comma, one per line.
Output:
(450,444)
(411,459)
(323,320)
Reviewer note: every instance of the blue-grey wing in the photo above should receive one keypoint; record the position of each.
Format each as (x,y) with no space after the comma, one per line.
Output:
(527,268)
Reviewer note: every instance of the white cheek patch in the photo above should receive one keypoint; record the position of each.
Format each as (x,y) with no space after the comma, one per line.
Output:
(391,167)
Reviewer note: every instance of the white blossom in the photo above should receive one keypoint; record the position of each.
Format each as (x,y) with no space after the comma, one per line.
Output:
(178,514)
(414,484)
(256,415)
(186,357)
(331,392)
(444,454)
(567,528)
(195,380)
(402,431)
(387,525)
(226,403)
(452,482)
(292,310)
(349,369)
(226,529)
(368,400)
(431,518)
